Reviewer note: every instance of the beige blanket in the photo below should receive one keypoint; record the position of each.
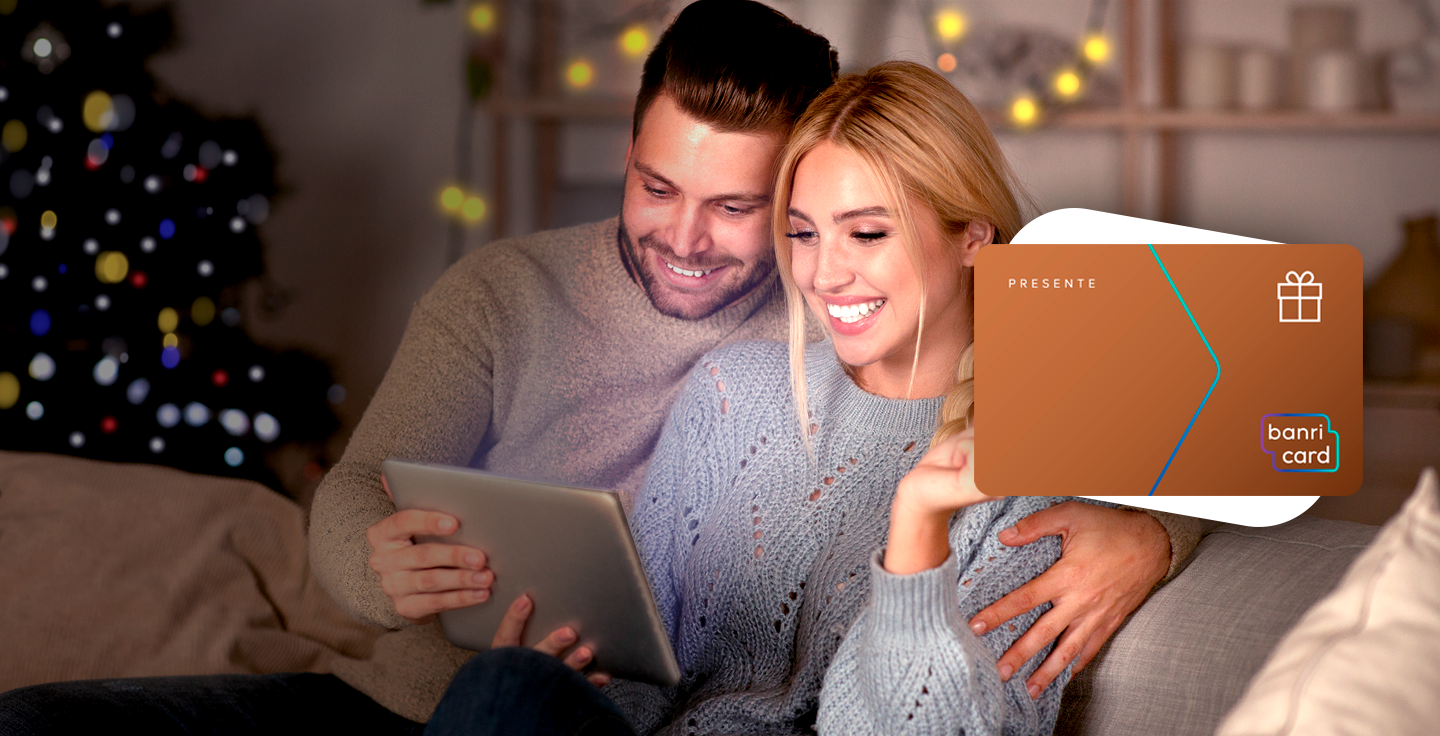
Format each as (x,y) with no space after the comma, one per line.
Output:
(110,570)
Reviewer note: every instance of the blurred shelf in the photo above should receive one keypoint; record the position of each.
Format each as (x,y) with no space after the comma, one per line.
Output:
(1283,121)
(563,109)
(1402,395)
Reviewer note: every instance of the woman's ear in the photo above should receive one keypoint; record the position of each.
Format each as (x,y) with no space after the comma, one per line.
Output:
(977,233)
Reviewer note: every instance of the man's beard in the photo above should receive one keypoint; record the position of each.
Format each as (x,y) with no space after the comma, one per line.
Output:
(664,300)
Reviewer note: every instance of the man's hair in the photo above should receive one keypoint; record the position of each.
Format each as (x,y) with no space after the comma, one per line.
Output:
(737,65)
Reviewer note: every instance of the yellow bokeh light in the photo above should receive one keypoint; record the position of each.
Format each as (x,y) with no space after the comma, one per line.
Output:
(946,62)
(451,198)
(9,389)
(1024,112)
(170,340)
(1096,48)
(48,220)
(580,74)
(14,136)
(1067,84)
(99,112)
(473,209)
(482,17)
(950,25)
(202,311)
(111,267)
(635,41)
(169,319)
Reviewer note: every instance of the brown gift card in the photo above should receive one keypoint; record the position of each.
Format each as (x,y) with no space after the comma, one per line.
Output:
(1204,370)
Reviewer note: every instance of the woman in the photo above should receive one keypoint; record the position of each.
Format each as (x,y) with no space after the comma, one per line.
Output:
(799,548)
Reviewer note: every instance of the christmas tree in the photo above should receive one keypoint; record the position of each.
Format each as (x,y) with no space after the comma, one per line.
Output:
(127,225)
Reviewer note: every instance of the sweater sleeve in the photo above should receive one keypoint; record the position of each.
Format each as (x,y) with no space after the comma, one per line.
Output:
(910,665)
(1185,533)
(433,405)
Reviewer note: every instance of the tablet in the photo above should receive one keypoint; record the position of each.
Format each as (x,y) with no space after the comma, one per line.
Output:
(569,548)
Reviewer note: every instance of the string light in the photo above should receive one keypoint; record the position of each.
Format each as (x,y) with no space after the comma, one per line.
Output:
(42,367)
(451,198)
(267,428)
(946,62)
(635,41)
(168,320)
(168,415)
(473,209)
(950,25)
(1024,112)
(202,311)
(580,74)
(1067,84)
(170,340)
(234,457)
(14,136)
(106,371)
(48,220)
(9,389)
(98,112)
(111,267)
(1096,48)
(482,17)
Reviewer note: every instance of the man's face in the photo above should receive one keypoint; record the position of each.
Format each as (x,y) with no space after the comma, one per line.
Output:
(695,221)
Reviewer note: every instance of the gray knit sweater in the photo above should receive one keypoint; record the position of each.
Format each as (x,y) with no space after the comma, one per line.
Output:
(766,568)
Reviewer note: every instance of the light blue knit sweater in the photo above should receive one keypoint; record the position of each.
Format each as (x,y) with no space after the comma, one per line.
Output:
(765,567)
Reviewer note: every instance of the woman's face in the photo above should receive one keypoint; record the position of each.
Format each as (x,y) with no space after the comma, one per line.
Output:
(852,267)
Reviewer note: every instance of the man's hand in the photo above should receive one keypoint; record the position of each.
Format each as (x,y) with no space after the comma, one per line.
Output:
(1110,560)
(512,626)
(425,579)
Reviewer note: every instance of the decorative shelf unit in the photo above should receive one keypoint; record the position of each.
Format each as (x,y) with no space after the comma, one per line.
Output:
(1137,125)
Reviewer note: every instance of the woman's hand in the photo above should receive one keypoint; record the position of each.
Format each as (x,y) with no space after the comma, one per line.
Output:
(512,626)
(943,483)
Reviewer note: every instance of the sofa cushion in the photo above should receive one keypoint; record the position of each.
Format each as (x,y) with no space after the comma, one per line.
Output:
(1182,660)
(1366,658)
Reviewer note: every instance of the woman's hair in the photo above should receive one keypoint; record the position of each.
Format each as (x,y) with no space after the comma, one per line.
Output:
(932,153)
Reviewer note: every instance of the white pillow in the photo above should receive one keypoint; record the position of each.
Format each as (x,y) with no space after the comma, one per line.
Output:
(1366,658)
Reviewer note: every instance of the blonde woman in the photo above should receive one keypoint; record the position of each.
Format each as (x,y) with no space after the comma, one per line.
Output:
(809,563)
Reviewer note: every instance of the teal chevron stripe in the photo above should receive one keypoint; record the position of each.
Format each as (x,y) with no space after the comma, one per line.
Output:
(1212,357)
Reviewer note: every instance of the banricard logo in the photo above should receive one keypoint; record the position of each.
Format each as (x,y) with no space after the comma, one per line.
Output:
(1300,443)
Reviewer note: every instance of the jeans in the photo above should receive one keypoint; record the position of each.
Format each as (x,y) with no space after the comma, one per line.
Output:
(297,703)
(521,692)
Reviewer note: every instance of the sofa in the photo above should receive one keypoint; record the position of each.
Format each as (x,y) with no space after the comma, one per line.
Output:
(129,570)
(1184,658)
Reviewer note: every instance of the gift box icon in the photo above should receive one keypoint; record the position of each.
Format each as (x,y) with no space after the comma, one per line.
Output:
(1299,296)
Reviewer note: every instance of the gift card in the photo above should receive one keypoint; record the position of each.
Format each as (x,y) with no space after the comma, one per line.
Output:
(1221,369)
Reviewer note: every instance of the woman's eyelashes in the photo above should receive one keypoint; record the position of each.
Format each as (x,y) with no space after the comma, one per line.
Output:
(870,237)
(804,235)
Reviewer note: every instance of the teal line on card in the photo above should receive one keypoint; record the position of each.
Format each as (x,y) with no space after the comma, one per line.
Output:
(1212,357)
